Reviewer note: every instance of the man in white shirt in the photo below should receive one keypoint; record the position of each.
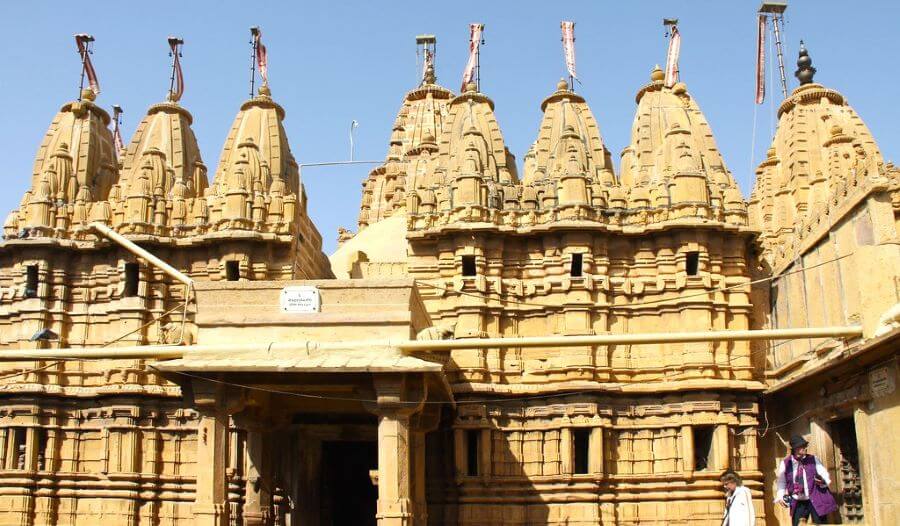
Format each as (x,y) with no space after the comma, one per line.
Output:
(802,481)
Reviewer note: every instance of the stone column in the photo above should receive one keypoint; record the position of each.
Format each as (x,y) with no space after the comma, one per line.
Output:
(566,453)
(687,450)
(394,506)
(596,454)
(394,407)
(258,496)
(721,447)
(210,502)
(418,462)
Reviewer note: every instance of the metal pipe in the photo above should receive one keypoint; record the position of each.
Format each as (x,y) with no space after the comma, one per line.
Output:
(138,251)
(780,53)
(106,353)
(305,346)
(633,339)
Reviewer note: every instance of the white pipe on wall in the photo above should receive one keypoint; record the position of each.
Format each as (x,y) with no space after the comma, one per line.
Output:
(305,347)
(138,251)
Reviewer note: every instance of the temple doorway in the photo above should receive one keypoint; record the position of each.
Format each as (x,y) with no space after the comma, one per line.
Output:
(349,496)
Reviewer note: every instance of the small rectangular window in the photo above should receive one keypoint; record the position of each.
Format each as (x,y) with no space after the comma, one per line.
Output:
(692,263)
(703,438)
(16,435)
(31,281)
(472,439)
(581,442)
(577,262)
(232,270)
(132,279)
(468,266)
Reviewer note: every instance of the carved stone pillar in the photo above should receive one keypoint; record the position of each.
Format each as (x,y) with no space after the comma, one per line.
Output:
(566,453)
(596,454)
(722,447)
(258,494)
(687,448)
(210,504)
(394,407)
(418,482)
(210,508)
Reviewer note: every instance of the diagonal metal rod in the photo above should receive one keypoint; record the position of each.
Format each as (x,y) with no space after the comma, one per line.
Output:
(776,20)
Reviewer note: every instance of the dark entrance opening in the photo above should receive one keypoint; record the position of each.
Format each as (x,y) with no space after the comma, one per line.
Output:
(348,495)
(846,461)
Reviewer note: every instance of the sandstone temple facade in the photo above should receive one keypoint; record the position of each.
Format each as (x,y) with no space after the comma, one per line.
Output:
(452,368)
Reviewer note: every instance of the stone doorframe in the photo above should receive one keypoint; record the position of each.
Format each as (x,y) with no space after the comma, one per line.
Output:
(404,417)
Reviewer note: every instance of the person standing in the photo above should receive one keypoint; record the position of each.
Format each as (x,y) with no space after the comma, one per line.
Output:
(802,483)
(738,503)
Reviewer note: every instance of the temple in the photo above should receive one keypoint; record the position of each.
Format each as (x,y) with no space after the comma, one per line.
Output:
(551,341)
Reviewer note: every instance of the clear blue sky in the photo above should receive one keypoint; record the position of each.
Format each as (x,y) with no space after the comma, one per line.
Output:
(332,62)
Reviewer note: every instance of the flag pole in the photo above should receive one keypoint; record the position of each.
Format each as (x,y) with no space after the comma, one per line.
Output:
(254,30)
(83,51)
(478,61)
(775,10)
(174,49)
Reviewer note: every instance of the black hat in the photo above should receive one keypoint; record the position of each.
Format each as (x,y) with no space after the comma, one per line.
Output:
(798,441)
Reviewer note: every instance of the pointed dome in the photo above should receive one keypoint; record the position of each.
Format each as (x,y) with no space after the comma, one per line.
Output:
(568,153)
(412,152)
(76,158)
(165,133)
(257,183)
(821,146)
(673,151)
(257,139)
(473,127)
(164,159)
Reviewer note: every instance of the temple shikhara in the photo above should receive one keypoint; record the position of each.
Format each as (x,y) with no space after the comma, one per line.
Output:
(559,339)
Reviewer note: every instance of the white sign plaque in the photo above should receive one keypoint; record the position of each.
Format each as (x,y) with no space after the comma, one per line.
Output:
(300,299)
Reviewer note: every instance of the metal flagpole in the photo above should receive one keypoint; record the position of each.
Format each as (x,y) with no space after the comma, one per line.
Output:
(778,50)
(776,11)
(253,43)
(478,61)
(174,49)
(83,51)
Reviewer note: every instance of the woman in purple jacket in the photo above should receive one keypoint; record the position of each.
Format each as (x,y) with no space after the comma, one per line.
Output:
(803,484)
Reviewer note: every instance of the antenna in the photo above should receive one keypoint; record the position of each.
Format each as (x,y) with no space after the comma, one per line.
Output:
(354,124)
(254,31)
(426,46)
(775,11)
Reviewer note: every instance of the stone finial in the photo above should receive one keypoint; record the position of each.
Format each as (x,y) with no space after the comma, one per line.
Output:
(430,78)
(88,94)
(264,91)
(657,74)
(471,87)
(805,70)
(562,85)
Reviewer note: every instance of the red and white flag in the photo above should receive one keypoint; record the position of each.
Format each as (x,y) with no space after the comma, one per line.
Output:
(178,87)
(761,59)
(568,40)
(83,41)
(262,61)
(672,58)
(475,32)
